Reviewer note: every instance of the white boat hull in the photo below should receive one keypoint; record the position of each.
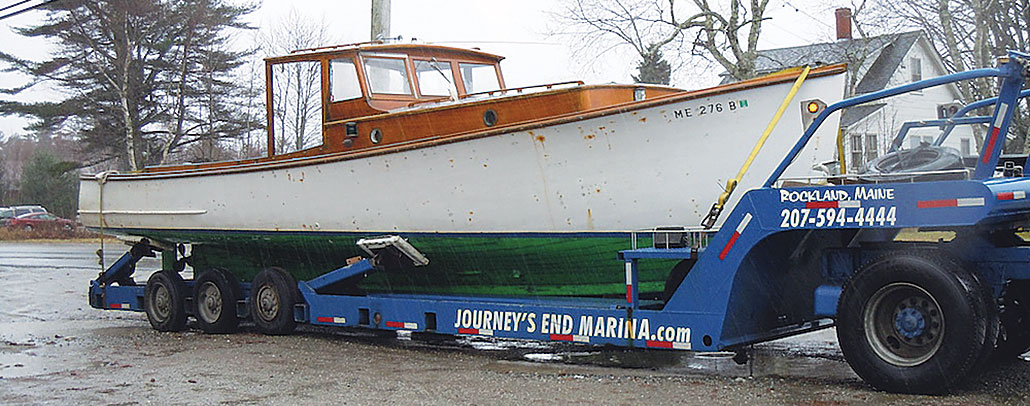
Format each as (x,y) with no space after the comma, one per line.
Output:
(660,165)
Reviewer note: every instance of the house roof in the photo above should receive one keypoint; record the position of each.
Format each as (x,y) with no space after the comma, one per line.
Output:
(879,56)
(885,51)
(852,115)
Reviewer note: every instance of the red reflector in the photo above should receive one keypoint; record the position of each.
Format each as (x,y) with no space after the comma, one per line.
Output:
(659,344)
(561,337)
(927,204)
(989,145)
(394,324)
(821,205)
(726,249)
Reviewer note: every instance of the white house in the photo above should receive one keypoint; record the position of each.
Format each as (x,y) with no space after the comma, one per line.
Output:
(876,63)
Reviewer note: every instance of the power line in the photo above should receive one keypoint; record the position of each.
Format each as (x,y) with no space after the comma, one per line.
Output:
(15,5)
(9,15)
(796,9)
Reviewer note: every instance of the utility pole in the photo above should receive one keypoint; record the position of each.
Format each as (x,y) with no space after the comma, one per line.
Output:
(380,19)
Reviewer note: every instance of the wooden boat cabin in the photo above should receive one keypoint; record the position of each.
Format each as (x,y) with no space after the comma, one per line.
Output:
(378,96)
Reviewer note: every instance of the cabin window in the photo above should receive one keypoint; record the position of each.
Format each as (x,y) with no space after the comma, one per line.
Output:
(343,80)
(479,78)
(434,78)
(296,105)
(387,76)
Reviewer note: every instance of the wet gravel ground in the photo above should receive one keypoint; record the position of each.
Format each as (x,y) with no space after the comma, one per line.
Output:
(54,349)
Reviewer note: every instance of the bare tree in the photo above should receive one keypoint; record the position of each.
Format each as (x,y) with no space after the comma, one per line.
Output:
(651,26)
(297,105)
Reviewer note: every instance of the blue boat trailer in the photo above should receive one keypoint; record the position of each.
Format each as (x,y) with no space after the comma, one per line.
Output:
(912,314)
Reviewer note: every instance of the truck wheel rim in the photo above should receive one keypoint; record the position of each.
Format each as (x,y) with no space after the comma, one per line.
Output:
(210,300)
(162,303)
(903,324)
(267,303)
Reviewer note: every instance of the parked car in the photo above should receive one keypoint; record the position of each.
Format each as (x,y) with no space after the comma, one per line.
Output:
(27,208)
(6,214)
(32,221)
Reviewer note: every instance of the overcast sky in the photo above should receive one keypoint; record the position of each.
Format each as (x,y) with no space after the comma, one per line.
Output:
(515,29)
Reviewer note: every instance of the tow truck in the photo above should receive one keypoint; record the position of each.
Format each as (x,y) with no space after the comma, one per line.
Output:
(796,255)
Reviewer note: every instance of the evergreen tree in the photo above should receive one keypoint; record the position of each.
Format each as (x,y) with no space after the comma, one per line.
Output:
(50,182)
(653,69)
(144,78)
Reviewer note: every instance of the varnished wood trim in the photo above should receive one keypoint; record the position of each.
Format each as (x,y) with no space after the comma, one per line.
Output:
(265,164)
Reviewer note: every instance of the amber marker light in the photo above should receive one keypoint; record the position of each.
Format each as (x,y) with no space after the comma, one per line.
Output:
(813,107)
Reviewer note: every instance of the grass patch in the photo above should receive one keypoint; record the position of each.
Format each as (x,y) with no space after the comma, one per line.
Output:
(47,233)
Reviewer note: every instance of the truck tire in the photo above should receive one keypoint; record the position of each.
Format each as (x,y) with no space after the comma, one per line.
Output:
(215,294)
(913,322)
(273,294)
(1015,321)
(164,300)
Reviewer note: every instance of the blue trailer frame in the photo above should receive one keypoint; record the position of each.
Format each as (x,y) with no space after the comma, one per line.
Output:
(777,268)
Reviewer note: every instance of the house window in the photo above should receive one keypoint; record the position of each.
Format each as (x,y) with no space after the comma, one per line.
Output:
(856,151)
(915,66)
(864,148)
(871,151)
(965,147)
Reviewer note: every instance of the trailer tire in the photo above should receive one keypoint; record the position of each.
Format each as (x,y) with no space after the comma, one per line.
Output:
(1015,321)
(925,158)
(215,294)
(676,276)
(164,300)
(273,296)
(894,331)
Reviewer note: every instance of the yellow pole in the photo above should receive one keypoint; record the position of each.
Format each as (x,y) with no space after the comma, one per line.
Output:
(840,150)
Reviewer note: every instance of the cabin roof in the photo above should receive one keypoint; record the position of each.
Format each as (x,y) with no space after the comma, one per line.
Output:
(350,49)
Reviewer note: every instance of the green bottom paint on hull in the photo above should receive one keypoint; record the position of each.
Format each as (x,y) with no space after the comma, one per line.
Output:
(473,265)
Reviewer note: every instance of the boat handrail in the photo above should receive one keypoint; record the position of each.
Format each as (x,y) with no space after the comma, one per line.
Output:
(501,92)
(547,86)
(328,47)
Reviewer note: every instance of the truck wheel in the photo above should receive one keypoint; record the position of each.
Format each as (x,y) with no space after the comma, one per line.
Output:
(164,301)
(215,294)
(912,322)
(1015,321)
(273,293)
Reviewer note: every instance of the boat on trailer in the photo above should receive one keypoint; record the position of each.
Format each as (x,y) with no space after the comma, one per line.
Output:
(507,191)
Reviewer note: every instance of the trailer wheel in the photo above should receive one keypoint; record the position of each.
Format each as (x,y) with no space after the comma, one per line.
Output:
(912,322)
(164,301)
(1015,320)
(215,294)
(273,293)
